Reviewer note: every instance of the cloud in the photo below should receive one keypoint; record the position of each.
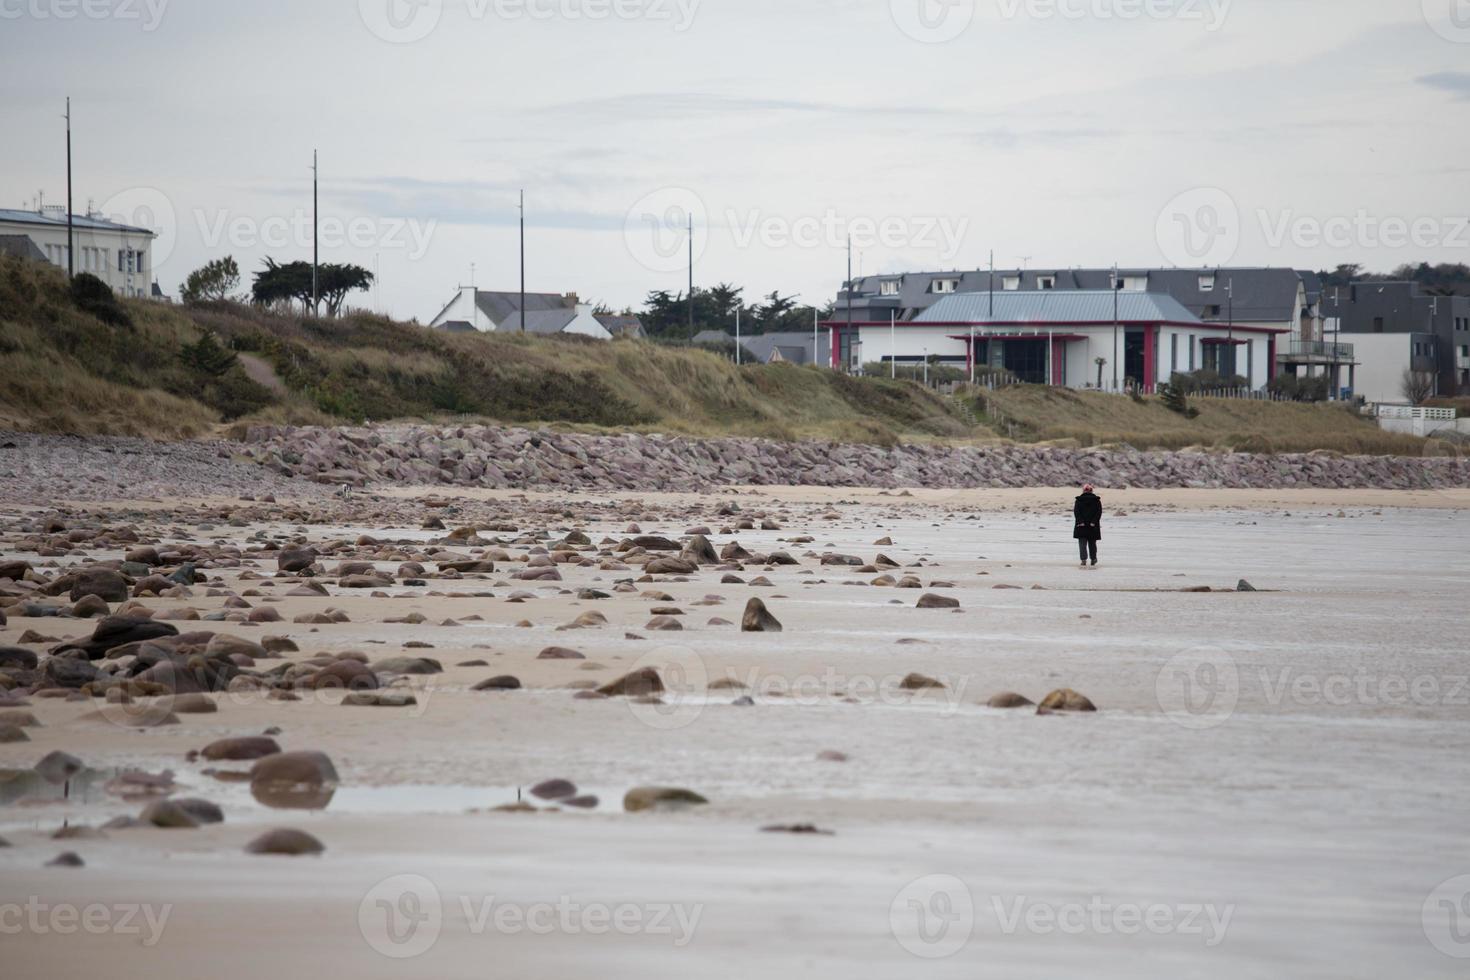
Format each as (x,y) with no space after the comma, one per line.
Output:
(1456,83)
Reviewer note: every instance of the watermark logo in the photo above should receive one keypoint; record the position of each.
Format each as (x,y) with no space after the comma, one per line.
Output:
(1101,916)
(1450,19)
(658,229)
(933,917)
(942,234)
(932,21)
(1199,689)
(37,918)
(685,679)
(224,229)
(1199,228)
(1210,13)
(401,917)
(401,21)
(1446,918)
(147,13)
(150,209)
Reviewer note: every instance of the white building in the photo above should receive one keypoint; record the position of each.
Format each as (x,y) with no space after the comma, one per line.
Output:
(1057,337)
(1386,357)
(546,313)
(119,255)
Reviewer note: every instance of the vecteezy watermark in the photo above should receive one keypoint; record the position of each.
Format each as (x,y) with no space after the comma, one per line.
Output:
(407,21)
(1210,13)
(1200,227)
(944,235)
(933,917)
(1204,227)
(690,687)
(39,918)
(149,712)
(1201,689)
(1101,916)
(221,229)
(147,13)
(1446,918)
(662,226)
(147,209)
(403,917)
(936,916)
(932,21)
(1450,19)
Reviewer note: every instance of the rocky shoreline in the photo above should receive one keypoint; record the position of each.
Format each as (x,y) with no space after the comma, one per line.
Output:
(515,458)
(313,462)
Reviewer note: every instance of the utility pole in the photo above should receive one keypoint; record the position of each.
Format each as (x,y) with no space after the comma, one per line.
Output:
(71,262)
(1115,327)
(522,262)
(316,245)
(893,341)
(737,336)
(691,274)
(849,294)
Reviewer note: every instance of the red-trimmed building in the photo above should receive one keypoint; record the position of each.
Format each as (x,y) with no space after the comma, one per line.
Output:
(1058,337)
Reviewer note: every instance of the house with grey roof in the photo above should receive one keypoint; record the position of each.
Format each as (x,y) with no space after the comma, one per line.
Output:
(117,253)
(1285,302)
(622,325)
(1110,339)
(548,314)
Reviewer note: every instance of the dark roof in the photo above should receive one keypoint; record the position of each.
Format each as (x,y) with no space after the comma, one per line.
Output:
(795,347)
(540,321)
(52,219)
(499,306)
(458,326)
(1260,295)
(21,246)
(713,337)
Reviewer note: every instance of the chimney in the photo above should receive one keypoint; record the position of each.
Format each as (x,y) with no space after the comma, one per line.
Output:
(572,301)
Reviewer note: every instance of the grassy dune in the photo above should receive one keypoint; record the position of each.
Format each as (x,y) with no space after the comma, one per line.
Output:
(173,372)
(1039,414)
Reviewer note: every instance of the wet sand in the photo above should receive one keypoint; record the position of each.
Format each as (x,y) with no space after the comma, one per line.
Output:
(1288,815)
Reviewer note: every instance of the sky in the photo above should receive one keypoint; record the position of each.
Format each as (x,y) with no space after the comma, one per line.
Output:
(933,133)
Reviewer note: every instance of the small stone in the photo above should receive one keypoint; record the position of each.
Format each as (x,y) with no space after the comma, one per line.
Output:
(661,798)
(1010,700)
(285,842)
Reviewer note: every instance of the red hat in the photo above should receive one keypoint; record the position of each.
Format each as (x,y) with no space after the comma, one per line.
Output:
(1088,488)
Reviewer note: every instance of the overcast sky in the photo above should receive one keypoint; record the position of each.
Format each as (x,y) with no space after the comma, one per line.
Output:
(1069,132)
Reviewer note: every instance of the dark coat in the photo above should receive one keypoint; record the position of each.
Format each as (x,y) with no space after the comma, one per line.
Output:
(1089,512)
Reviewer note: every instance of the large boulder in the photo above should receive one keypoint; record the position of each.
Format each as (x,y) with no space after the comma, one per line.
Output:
(643,798)
(104,583)
(16,658)
(116,631)
(640,683)
(1064,701)
(295,560)
(285,842)
(758,619)
(69,672)
(243,748)
(312,770)
(700,551)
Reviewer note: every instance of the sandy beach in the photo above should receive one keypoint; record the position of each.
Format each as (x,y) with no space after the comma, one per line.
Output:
(1274,783)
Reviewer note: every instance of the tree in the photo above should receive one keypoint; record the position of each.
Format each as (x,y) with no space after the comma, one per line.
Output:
(1417,386)
(207,357)
(292,282)
(212,283)
(1101,363)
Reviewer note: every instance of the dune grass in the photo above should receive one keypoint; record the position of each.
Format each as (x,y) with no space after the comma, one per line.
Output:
(153,369)
(1040,414)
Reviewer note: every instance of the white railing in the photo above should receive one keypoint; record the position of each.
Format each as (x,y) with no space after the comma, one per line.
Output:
(1411,413)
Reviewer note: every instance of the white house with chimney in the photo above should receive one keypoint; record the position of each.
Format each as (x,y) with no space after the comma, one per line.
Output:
(548,314)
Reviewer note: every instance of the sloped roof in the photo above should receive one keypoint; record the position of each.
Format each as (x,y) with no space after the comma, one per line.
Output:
(22,247)
(53,220)
(621,325)
(1057,306)
(499,306)
(540,321)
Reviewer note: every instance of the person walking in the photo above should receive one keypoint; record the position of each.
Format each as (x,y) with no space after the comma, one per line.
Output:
(1088,511)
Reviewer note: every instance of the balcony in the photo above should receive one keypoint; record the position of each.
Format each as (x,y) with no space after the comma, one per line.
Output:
(1318,352)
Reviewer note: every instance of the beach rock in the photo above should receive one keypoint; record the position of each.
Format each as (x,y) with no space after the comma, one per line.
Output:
(11,734)
(67,859)
(90,607)
(17,658)
(554,789)
(168,815)
(640,683)
(932,601)
(285,843)
(1064,700)
(242,748)
(104,583)
(194,704)
(758,619)
(1010,700)
(1245,586)
(296,560)
(661,798)
(700,551)
(297,769)
(505,683)
(560,653)
(58,766)
(72,673)
(344,675)
(919,682)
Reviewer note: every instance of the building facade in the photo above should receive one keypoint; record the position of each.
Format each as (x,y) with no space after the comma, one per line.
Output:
(120,255)
(485,311)
(1101,339)
(1282,303)
(1369,308)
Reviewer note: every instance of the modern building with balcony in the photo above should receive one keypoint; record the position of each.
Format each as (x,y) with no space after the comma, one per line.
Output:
(1368,308)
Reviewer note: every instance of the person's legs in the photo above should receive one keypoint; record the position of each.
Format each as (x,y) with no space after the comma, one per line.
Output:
(1092,547)
(1082,547)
